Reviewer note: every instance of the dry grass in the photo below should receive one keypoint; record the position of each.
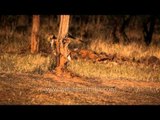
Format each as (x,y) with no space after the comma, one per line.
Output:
(38,64)
(99,37)
(99,41)
(132,50)
(125,83)
(24,63)
(113,70)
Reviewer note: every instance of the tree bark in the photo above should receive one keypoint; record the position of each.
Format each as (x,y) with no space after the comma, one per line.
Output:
(148,29)
(35,34)
(115,29)
(125,22)
(61,46)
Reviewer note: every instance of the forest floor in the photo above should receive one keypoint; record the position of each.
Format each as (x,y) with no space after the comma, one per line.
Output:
(68,89)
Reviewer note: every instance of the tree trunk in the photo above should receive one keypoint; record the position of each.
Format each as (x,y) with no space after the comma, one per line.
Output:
(61,46)
(35,34)
(148,29)
(125,22)
(115,28)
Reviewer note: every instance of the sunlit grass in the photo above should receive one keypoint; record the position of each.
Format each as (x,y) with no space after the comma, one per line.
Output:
(14,43)
(113,70)
(24,63)
(132,50)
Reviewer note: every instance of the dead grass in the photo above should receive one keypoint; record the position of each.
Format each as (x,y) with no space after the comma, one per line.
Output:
(99,40)
(38,64)
(125,83)
(132,50)
(113,70)
(24,63)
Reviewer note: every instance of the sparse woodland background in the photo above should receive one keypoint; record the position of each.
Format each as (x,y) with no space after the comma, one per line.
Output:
(127,73)
(122,29)
(135,37)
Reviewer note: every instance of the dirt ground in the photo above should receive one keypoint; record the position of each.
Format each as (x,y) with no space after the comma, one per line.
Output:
(49,89)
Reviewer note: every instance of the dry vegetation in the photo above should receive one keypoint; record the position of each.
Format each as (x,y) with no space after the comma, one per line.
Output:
(113,70)
(24,77)
(24,63)
(133,50)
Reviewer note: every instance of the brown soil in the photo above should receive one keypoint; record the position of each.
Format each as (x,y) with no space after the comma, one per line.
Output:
(67,89)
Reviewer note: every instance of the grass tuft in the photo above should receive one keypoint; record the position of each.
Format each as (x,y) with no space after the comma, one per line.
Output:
(112,70)
(24,63)
(132,50)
